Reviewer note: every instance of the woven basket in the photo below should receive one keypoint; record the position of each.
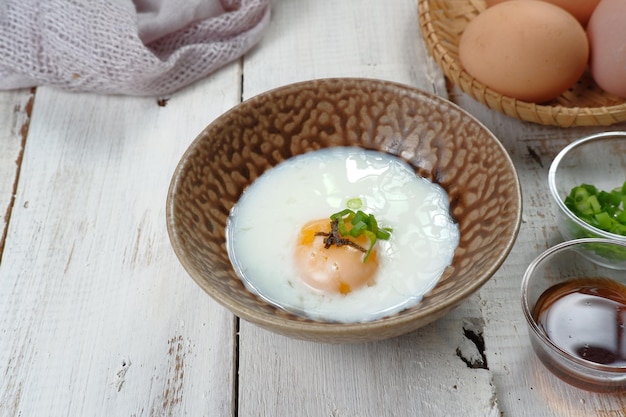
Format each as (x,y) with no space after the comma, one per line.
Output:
(585,104)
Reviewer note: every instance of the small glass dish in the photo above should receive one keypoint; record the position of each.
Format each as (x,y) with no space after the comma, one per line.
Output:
(599,160)
(576,314)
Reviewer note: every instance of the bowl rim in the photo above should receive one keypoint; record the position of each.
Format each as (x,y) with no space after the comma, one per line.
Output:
(552,171)
(532,324)
(342,332)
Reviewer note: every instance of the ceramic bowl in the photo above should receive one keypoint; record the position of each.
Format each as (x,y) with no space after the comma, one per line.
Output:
(578,338)
(599,160)
(441,141)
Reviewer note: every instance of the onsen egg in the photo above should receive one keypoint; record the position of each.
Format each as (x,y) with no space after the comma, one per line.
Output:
(277,235)
(336,267)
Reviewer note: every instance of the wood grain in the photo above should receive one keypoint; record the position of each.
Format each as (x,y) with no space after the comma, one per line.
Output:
(15,110)
(96,315)
(422,373)
(310,39)
(524,386)
(98,318)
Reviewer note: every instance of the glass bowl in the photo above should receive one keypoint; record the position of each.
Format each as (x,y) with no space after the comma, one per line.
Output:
(576,314)
(599,160)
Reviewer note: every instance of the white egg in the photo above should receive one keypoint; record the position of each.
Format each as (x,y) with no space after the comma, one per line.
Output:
(263,228)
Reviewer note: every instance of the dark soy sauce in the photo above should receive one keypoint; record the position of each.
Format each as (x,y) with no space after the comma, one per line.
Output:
(586,317)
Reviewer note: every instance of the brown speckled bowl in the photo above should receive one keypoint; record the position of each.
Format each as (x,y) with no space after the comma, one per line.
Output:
(442,142)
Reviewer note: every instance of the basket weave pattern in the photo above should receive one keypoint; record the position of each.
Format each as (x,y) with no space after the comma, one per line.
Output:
(585,104)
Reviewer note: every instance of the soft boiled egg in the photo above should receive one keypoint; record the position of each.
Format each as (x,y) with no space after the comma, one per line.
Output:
(287,250)
(335,267)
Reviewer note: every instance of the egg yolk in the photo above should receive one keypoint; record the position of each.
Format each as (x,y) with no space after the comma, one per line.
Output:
(336,269)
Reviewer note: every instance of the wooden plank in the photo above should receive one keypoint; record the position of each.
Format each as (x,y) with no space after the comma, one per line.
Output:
(97,317)
(424,373)
(318,39)
(15,108)
(524,386)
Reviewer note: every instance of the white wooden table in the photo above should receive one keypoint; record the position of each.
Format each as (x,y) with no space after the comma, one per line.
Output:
(98,318)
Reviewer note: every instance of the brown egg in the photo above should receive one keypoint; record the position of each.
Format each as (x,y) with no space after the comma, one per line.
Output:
(581,9)
(527,49)
(607,40)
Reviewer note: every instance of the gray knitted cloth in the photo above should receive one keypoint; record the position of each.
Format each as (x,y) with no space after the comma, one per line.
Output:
(132,47)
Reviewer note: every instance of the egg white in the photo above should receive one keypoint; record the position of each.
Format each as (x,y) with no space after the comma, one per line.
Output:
(264,224)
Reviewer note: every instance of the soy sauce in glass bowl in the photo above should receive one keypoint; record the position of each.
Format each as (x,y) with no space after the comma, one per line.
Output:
(575,309)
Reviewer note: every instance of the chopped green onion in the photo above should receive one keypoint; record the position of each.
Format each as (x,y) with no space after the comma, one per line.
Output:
(383,234)
(372,237)
(604,220)
(341,214)
(355,203)
(362,224)
(358,229)
(601,209)
(359,217)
